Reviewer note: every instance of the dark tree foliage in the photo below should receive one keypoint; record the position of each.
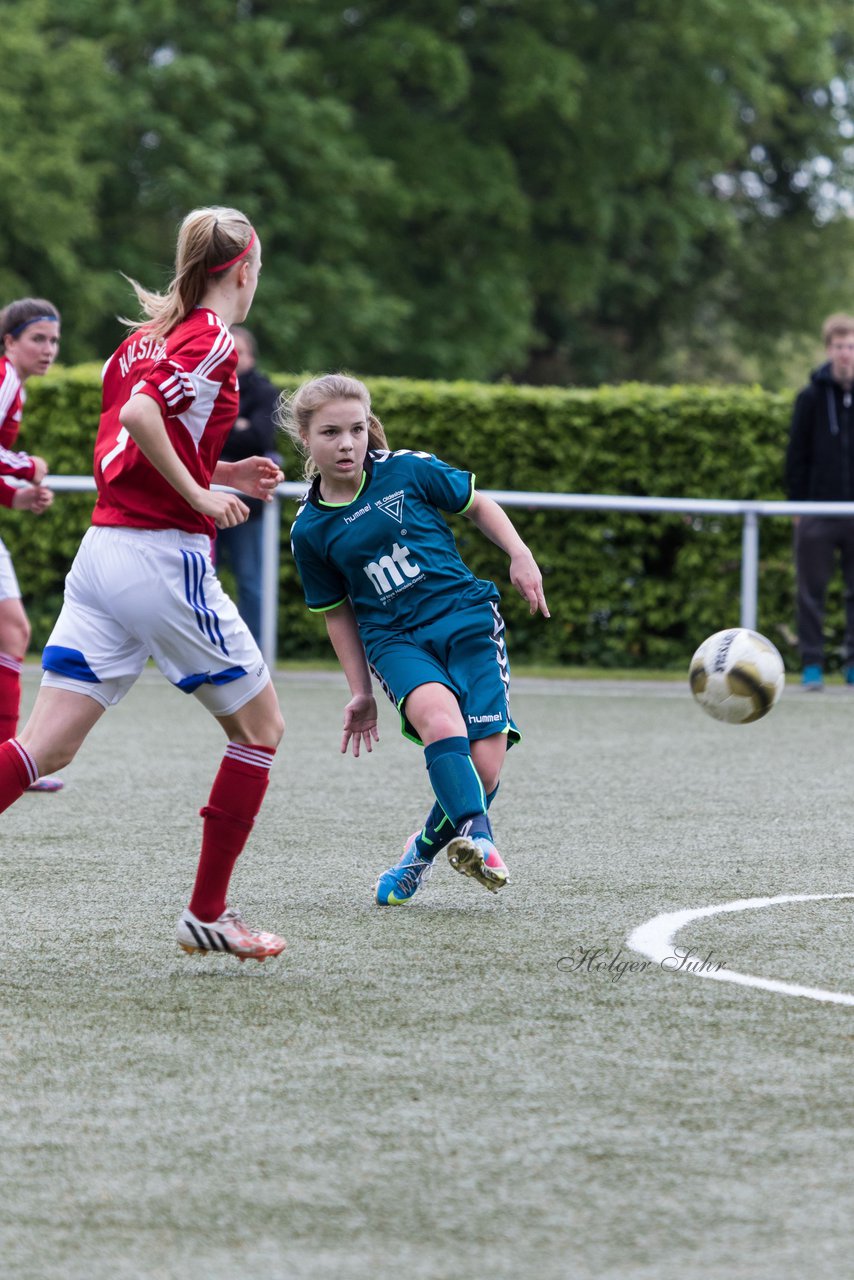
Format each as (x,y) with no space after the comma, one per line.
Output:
(533,189)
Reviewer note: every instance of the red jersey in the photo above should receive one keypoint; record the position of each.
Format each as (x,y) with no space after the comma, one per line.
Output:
(12,398)
(191,376)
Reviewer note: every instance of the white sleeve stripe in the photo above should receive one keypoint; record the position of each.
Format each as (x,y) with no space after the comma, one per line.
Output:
(172,390)
(221,349)
(17,461)
(8,391)
(218,354)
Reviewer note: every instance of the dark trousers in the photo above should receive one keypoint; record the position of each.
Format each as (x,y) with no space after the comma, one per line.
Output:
(240,549)
(817,540)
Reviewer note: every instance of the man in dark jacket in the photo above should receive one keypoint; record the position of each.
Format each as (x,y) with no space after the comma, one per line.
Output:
(820,468)
(253,433)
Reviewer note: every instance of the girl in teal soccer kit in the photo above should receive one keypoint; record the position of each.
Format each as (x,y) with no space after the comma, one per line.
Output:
(377,558)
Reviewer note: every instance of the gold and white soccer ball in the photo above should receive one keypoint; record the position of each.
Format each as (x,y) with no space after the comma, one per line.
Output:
(737,675)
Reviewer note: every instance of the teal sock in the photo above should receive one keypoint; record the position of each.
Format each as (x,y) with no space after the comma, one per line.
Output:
(454,779)
(438,830)
(435,834)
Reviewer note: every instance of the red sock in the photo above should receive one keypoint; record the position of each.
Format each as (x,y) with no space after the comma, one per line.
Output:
(229,815)
(17,770)
(10,694)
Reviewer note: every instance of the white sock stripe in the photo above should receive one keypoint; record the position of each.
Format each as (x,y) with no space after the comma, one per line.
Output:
(28,760)
(14,664)
(248,755)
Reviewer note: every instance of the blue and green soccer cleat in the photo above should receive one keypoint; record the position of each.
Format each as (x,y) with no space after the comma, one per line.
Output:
(477,856)
(400,883)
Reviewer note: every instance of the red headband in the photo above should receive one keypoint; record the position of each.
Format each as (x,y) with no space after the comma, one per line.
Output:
(212,271)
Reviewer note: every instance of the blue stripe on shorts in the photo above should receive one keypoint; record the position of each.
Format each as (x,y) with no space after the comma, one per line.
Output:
(206,618)
(68,662)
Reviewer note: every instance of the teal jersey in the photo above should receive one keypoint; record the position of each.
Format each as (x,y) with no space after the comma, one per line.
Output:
(389,550)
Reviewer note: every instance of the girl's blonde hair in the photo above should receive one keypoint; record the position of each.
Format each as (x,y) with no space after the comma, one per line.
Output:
(210,241)
(295,412)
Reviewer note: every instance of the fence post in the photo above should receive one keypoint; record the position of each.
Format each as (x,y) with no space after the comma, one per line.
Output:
(271,517)
(749,569)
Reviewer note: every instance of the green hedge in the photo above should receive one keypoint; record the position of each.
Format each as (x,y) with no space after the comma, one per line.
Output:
(624,590)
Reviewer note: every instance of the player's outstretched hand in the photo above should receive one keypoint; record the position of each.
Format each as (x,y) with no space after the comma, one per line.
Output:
(256,476)
(35,498)
(528,581)
(360,723)
(225,509)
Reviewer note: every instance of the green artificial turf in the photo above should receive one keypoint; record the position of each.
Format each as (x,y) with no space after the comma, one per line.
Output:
(426,1093)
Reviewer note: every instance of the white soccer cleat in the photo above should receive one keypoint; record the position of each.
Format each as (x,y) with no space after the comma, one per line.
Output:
(230,933)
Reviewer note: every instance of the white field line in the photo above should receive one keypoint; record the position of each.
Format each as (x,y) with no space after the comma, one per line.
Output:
(656,939)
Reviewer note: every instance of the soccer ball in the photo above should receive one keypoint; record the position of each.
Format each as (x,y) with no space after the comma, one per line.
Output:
(737,675)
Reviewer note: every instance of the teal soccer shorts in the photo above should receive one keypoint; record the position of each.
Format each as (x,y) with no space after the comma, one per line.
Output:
(465,651)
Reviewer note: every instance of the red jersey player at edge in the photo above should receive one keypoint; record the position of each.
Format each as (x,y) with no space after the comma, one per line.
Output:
(142,583)
(29,328)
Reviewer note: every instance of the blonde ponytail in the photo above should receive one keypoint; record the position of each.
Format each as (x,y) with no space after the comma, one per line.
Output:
(210,242)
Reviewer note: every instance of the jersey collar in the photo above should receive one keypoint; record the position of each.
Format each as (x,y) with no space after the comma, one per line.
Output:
(314,492)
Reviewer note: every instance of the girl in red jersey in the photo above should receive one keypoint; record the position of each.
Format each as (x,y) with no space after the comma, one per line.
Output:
(30,331)
(142,584)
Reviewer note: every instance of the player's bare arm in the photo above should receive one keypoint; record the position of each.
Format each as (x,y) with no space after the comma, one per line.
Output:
(360,713)
(525,574)
(257,476)
(143,421)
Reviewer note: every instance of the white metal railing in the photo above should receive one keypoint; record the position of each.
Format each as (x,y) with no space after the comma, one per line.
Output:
(750,513)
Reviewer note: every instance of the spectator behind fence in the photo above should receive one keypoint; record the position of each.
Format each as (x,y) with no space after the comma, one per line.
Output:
(254,432)
(820,468)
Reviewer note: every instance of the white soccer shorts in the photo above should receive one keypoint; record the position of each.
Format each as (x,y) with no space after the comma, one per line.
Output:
(135,594)
(9,589)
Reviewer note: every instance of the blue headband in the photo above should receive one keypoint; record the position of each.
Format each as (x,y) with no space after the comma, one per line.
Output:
(19,328)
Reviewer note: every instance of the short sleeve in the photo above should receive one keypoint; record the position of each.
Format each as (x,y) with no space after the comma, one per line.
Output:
(444,486)
(171,386)
(199,359)
(323,586)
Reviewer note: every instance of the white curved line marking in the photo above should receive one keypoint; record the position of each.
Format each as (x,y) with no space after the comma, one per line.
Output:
(656,940)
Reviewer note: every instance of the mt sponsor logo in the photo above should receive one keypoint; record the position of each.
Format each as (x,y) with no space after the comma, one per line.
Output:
(392,571)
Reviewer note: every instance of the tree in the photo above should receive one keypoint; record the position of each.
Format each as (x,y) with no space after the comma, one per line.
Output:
(557,192)
(220,109)
(54,97)
(587,184)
